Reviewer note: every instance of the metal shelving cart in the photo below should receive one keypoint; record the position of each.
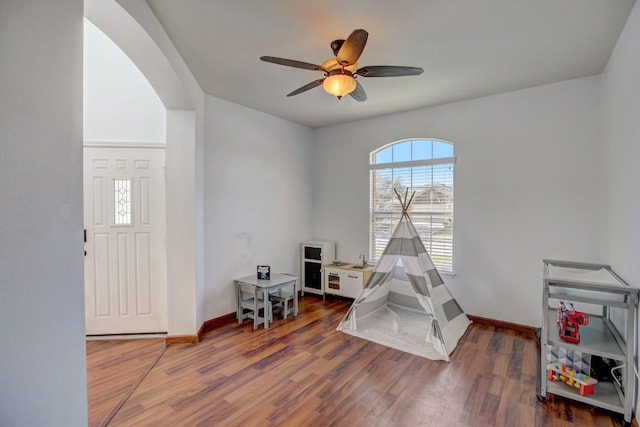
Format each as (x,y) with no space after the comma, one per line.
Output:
(593,284)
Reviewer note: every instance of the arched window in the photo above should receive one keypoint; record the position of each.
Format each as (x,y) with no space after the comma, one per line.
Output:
(426,167)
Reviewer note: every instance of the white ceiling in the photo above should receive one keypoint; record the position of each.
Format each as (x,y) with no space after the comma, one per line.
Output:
(468,48)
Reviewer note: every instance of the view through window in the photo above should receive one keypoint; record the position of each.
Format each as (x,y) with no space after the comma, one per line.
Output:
(426,167)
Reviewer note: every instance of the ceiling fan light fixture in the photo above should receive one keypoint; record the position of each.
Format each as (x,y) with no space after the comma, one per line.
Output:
(339,85)
(340,71)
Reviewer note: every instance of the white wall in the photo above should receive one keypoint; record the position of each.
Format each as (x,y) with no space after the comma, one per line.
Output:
(257,206)
(42,353)
(527,187)
(181,207)
(621,137)
(120,106)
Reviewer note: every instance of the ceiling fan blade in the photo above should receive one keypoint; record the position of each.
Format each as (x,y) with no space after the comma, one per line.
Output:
(352,47)
(307,87)
(388,71)
(359,94)
(292,63)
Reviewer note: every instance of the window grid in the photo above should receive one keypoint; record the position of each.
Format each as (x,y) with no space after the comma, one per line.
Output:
(428,171)
(122,201)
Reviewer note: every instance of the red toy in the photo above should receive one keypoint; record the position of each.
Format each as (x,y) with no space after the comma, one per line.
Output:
(569,321)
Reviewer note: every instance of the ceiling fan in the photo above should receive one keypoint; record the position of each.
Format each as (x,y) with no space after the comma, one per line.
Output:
(340,72)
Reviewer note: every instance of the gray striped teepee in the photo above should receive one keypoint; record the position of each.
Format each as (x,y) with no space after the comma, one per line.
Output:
(405,304)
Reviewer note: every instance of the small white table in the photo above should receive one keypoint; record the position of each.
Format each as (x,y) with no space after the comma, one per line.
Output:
(276,282)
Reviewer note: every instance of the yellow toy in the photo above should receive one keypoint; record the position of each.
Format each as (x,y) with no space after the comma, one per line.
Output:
(583,382)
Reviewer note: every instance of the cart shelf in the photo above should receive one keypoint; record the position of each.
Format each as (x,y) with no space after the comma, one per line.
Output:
(594,284)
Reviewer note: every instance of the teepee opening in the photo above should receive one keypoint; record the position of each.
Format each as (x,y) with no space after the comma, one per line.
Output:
(405,303)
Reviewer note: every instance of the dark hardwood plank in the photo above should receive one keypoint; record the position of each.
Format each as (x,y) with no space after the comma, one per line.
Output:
(302,371)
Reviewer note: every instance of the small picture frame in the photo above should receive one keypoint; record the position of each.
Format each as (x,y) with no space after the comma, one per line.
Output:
(264,272)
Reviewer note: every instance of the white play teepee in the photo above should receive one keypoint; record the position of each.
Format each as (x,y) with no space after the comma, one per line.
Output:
(405,304)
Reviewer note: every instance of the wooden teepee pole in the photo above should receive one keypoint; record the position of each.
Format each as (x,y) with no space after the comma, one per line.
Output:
(404,203)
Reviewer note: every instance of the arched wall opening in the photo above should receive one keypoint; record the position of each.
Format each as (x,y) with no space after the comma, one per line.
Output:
(129,25)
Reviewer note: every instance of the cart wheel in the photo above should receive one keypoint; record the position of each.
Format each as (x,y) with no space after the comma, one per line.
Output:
(541,398)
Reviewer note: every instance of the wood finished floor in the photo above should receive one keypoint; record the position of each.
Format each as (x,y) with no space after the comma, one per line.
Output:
(302,372)
(114,369)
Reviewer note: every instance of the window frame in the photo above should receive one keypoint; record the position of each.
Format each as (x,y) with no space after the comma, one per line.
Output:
(446,216)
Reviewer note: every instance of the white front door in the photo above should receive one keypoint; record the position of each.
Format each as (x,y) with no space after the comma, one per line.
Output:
(125,261)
